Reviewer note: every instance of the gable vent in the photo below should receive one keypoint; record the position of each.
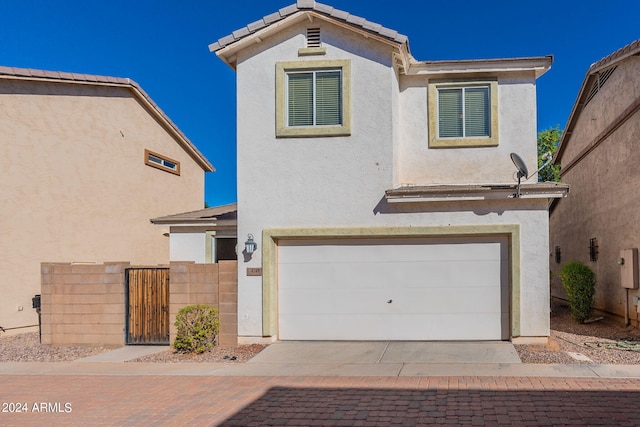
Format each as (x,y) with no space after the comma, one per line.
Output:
(601,78)
(313,37)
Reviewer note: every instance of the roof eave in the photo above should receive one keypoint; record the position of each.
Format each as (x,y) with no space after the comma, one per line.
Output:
(539,65)
(606,62)
(463,193)
(202,161)
(197,223)
(247,38)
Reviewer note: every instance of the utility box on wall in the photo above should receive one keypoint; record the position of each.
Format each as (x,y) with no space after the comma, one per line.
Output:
(629,268)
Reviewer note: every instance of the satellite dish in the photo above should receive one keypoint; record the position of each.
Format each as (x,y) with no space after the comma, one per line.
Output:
(523,171)
(520,165)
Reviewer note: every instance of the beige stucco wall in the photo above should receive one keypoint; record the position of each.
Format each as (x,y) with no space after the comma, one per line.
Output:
(74,186)
(333,182)
(604,197)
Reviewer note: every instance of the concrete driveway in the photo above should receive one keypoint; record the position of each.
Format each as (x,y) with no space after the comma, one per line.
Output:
(387,352)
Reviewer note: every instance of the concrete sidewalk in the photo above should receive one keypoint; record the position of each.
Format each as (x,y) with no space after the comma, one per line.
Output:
(364,359)
(321,369)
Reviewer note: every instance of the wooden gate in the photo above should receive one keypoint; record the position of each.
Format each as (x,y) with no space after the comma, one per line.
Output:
(147,301)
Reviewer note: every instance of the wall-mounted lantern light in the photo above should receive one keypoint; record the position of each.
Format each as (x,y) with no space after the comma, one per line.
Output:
(250,246)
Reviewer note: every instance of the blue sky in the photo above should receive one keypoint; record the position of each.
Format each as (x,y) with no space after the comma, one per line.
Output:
(162,44)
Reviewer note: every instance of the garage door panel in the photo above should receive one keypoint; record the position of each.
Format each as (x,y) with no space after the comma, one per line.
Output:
(441,289)
(375,301)
(387,275)
(424,327)
(390,250)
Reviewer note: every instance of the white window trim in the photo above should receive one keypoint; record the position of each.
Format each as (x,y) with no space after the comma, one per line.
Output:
(486,141)
(282,128)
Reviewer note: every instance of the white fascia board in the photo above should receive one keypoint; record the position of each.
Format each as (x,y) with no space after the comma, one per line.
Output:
(228,54)
(538,65)
(494,194)
(192,224)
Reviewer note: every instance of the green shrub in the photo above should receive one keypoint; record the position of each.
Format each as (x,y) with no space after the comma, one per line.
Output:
(579,281)
(197,328)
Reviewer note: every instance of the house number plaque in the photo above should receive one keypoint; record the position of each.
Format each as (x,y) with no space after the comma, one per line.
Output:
(255,271)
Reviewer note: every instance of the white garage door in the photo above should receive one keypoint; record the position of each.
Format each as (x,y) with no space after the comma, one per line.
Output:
(393,289)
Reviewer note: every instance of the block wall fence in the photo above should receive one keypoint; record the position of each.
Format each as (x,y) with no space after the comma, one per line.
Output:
(84,304)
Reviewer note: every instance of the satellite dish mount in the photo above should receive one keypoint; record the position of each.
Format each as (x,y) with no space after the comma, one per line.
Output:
(523,171)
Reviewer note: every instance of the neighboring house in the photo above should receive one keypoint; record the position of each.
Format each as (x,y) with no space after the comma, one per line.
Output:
(88,160)
(204,236)
(380,189)
(599,156)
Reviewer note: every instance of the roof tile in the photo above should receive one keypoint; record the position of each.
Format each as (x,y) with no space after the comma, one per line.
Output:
(635,45)
(270,19)
(307,5)
(286,11)
(22,72)
(91,78)
(37,73)
(200,216)
(323,8)
(226,40)
(238,34)
(372,26)
(389,33)
(51,74)
(257,25)
(65,76)
(340,14)
(356,20)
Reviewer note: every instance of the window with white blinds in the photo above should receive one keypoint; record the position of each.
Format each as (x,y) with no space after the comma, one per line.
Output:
(464,112)
(314,98)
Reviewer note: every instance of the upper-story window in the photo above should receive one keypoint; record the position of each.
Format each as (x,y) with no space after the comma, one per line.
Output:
(313,98)
(159,161)
(463,114)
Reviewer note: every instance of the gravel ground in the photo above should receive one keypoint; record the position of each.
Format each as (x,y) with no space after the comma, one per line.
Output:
(237,354)
(27,348)
(601,342)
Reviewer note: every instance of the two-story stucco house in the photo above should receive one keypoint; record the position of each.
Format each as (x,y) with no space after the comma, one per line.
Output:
(379,189)
(598,224)
(88,161)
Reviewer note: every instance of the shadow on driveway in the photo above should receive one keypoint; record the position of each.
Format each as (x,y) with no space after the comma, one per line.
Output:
(282,406)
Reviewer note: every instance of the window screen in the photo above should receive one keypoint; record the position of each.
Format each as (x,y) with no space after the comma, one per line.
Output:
(464,112)
(314,98)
